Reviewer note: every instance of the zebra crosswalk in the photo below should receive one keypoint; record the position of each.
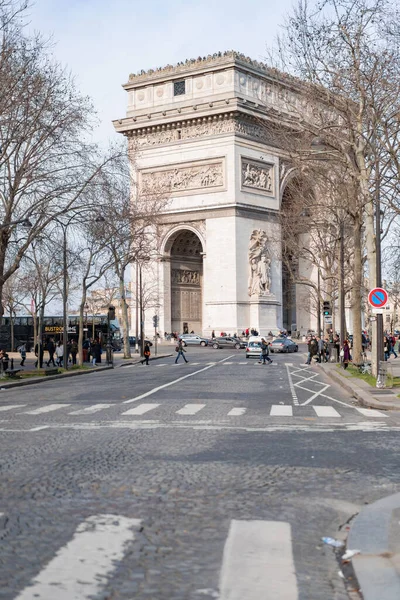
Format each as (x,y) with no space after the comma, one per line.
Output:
(256,560)
(213,408)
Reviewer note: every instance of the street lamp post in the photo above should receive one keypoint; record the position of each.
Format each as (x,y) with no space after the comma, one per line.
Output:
(137,310)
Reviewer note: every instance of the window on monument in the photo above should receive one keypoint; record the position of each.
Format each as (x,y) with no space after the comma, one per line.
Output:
(179,88)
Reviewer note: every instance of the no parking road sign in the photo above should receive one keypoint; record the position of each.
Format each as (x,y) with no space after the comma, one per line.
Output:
(378,297)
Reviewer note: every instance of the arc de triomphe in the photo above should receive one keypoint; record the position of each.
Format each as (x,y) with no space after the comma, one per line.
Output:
(197,128)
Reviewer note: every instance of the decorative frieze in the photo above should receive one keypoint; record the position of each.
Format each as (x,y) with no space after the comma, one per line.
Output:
(259,283)
(257,176)
(182,276)
(183,178)
(195,128)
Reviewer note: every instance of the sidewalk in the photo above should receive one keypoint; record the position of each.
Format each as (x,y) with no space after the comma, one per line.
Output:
(376,533)
(368,396)
(29,365)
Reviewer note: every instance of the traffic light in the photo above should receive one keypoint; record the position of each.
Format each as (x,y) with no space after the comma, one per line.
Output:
(111,313)
(155,321)
(327,310)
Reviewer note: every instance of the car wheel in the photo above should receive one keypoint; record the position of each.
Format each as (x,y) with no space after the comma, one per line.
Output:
(202,344)
(215,346)
(184,344)
(237,346)
(271,351)
(296,349)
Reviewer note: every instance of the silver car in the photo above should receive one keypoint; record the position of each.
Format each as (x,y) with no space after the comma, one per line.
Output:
(253,350)
(192,339)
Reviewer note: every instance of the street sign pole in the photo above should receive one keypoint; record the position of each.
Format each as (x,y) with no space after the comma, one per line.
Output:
(377,298)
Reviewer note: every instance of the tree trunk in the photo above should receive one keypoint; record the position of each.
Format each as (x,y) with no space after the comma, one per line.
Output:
(39,338)
(356,295)
(125,316)
(81,321)
(12,330)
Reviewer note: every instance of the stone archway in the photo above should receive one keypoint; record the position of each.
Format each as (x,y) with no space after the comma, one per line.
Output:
(186,258)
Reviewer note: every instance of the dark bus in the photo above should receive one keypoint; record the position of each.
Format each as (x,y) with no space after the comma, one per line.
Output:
(52,327)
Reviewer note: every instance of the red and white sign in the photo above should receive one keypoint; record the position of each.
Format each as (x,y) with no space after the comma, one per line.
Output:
(378,297)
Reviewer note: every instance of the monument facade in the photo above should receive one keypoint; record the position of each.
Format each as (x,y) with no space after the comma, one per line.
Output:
(199,132)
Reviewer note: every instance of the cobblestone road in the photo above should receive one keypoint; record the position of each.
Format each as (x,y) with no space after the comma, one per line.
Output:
(220,456)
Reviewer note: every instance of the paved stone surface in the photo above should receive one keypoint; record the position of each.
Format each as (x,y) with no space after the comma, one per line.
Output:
(187,477)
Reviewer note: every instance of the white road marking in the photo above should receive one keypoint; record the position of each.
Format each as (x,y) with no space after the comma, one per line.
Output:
(40,428)
(141,409)
(190,409)
(80,568)
(45,409)
(315,395)
(161,387)
(326,411)
(292,390)
(370,412)
(228,363)
(243,363)
(258,562)
(11,406)
(279,410)
(163,365)
(90,409)
(236,412)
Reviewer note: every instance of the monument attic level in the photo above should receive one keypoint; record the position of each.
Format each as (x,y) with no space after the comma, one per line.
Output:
(195,131)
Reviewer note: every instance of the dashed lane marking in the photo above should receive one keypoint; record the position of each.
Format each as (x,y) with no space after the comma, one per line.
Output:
(368,412)
(81,568)
(326,411)
(278,410)
(292,390)
(11,406)
(141,409)
(45,409)
(90,409)
(161,387)
(190,409)
(236,412)
(258,562)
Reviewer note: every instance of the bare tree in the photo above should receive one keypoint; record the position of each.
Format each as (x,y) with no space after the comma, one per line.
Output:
(47,167)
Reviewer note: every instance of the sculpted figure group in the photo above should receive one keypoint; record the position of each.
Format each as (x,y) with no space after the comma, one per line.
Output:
(259,283)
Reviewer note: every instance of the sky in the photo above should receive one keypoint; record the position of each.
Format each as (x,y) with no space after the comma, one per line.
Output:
(102,41)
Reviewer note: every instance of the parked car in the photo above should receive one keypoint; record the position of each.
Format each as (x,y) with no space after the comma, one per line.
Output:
(253,349)
(132,341)
(227,342)
(283,345)
(192,339)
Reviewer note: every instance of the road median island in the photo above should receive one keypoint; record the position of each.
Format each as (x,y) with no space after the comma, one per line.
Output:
(366,395)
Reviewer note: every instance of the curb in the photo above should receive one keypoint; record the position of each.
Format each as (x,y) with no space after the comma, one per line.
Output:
(33,381)
(363,396)
(375,567)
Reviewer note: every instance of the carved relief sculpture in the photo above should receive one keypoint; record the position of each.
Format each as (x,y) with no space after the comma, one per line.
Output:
(184,276)
(257,176)
(183,179)
(259,283)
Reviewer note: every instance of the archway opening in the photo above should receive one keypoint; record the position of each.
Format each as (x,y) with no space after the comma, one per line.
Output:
(186,282)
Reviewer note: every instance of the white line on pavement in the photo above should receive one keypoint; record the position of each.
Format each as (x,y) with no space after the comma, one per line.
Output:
(281,410)
(243,363)
(90,409)
(368,412)
(11,406)
(258,562)
(190,409)
(80,568)
(160,387)
(141,409)
(292,390)
(326,411)
(45,409)
(236,412)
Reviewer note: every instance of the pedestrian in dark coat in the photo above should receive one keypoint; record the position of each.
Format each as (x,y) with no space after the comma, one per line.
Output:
(146,354)
(96,353)
(51,348)
(346,354)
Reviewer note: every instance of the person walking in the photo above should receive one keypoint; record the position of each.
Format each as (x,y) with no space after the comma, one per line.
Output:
(96,352)
(392,346)
(146,354)
(60,354)
(180,352)
(22,351)
(264,353)
(51,349)
(346,354)
(74,352)
(321,351)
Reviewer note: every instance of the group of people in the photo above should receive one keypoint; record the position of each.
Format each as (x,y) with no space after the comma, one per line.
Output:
(318,348)
(92,352)
(389,344)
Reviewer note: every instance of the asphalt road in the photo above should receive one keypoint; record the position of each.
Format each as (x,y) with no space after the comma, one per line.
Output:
(212,479)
